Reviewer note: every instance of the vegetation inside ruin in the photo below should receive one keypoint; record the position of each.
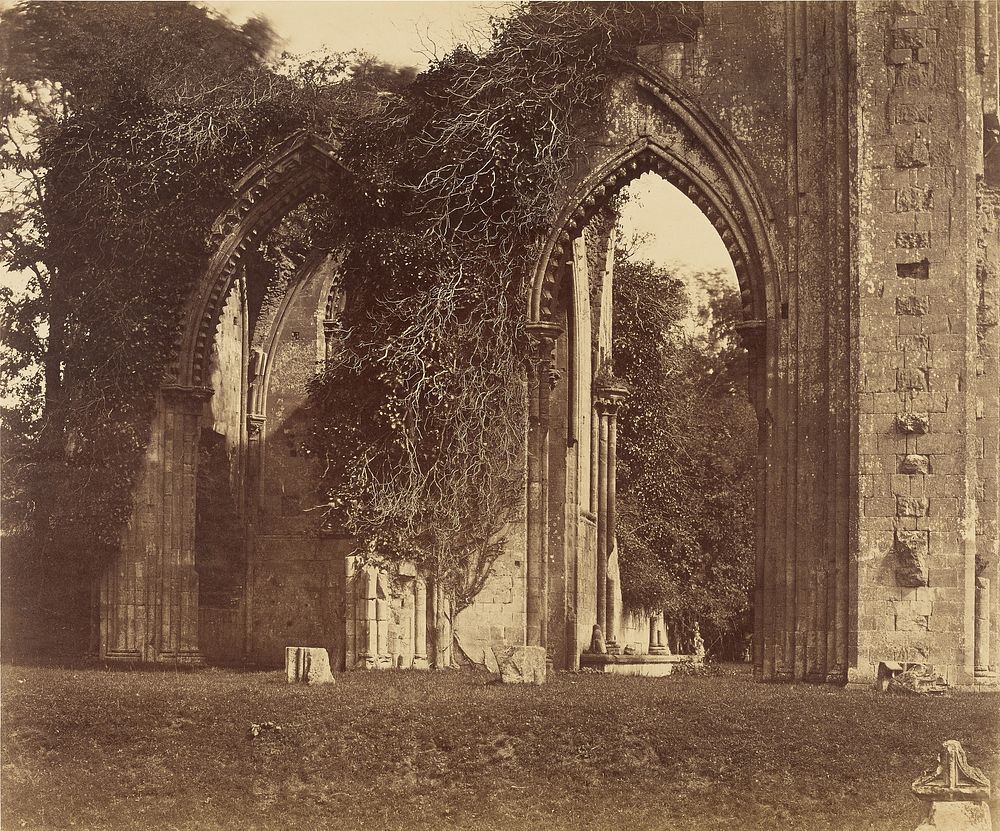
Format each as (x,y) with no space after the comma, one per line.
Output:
(686,454)
(129,125)
(456,750)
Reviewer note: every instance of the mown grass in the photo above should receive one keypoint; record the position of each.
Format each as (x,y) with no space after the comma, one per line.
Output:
(97,749)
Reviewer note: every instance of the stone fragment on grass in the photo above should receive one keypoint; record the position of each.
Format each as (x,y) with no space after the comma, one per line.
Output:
(958,793)
(522,665)
(307,665)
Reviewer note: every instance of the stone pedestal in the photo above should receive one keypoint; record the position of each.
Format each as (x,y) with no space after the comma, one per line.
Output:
(956,792)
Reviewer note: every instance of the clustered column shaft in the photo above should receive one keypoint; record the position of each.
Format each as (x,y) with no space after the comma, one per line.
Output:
(541,379)
(609,397)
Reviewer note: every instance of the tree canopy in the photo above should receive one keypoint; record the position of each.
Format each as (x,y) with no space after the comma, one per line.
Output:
(127,126)
(686,451)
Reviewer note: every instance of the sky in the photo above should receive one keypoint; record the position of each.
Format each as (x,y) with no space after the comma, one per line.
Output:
(402,33)
(410,34)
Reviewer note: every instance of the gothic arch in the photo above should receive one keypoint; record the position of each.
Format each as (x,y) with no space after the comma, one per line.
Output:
(662,130)
(705,164)
(270,187)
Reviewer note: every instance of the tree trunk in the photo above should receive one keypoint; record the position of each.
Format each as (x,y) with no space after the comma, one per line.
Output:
(442,626)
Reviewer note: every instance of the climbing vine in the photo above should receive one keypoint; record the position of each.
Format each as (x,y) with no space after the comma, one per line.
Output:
(454,175)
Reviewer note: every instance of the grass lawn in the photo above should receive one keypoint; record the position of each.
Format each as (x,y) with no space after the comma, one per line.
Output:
(95,749)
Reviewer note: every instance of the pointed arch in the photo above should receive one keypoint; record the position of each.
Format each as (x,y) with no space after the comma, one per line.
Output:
(269,188)
(699,158)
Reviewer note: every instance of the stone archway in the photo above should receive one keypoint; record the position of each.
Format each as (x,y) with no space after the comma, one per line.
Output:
(574,540)
(149,607)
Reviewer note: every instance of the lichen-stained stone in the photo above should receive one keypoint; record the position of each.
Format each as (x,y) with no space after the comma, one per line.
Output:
(912,306)
(522,665)
(911,558)
(913,422)
(911,505)
(914,463)
(913,153)
(307,665)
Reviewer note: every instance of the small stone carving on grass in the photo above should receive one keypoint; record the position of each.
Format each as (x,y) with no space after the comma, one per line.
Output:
(918,681)
(263,727)
(307,665)
(957,792)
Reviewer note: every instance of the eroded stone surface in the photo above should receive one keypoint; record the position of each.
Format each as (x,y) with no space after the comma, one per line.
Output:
(914,463)
(522,665)
(911,558)
(913,422)
(307,665)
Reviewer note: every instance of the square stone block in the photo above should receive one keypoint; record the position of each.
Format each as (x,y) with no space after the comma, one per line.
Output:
(307,665)
(522,665)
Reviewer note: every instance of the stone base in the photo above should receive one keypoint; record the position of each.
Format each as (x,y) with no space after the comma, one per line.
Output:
(650,666)
(985,678)
(522,665)
(957,816)
(307,665)
(191,659)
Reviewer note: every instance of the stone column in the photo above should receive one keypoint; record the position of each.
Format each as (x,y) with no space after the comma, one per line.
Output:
(370,601)
(602,518)
(657,645)
(350,613)
(610,395)
(382,612)
(176,593)
(982,627)
(255,447)
(420,623)
(541,379)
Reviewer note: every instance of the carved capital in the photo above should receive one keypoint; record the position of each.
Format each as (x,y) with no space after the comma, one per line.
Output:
(255,425)
(751,334)
(542,340)
(184,398)
(541,348)
(609,394)
(954,779)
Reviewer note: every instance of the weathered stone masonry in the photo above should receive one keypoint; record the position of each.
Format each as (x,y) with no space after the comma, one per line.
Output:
(846,154)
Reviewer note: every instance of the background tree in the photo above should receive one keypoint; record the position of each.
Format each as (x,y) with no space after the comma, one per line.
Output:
(454,173)
(686,454)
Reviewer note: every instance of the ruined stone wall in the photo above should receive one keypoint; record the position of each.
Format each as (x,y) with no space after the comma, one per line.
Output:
(918,139)
(297,574)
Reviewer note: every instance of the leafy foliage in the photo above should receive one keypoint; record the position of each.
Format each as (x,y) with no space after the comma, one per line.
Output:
(686,452)
(136,120)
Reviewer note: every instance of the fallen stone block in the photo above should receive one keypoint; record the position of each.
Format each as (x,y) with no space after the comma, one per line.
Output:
(522,665)
(307,665)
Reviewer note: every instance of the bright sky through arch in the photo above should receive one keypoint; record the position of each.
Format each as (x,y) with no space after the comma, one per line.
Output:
(678,231)
(405,33)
